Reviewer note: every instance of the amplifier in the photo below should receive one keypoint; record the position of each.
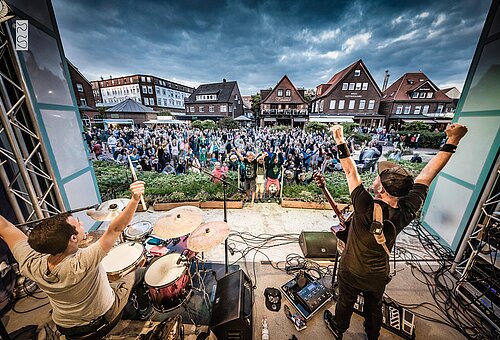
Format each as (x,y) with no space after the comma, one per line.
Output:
(318,244)
(476,298)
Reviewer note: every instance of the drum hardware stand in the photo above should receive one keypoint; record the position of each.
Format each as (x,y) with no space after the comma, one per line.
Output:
(225,184)
(72,211)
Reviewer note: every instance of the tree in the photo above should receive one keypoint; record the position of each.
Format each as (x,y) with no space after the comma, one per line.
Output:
(315,126)
(416,126)
(228,123)
(256,99)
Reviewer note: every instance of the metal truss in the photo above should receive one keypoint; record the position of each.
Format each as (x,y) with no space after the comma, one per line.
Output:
(25,169)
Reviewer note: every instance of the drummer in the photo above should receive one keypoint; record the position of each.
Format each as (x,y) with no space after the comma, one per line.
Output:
(74,279)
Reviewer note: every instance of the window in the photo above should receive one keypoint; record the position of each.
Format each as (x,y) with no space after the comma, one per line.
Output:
(150,89)
(341,104)
(146,101)
(79,87)
(223,108)
(157,91)
(422,94)
(407,109)
(149,79)
(280,93)
(439,109)
(144,89)
(201,109)
(362,103)
(417,109)
(332,104)
(371,104)
(351,104)
(83,102)
(399,109)
(429,94)
(165,102)
(235,97)
(288,93)
(426,109)
(345,86)
(158,100)
(351,86)
(143,79)
(191,109)
(358,86)
(131,79)
(113,82)
(164,92)
(211,108)
(414,95)
(365,86)
(357,73)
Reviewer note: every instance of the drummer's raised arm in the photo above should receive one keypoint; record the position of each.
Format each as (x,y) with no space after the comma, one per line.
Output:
(121,221)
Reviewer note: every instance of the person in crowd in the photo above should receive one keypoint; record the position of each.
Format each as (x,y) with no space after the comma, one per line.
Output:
(274,164)
(250,165)
(395,156)
(261,178)
(112,143)
(416,158)
(364,264)
(218,173)
(76,284)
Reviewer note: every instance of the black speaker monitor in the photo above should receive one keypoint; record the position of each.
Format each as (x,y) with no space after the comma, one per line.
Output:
(318,244)
(232,309)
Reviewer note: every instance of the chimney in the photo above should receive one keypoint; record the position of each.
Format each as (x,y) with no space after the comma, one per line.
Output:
(102,78)
(110,77)
(224,80)
(386,80)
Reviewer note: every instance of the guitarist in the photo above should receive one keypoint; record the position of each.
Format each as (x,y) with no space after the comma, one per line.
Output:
(364,264)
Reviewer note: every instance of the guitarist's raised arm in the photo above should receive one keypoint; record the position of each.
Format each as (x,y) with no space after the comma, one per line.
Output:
(351,172)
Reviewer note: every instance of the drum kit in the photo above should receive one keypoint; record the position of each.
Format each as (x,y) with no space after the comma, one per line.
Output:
(168,249)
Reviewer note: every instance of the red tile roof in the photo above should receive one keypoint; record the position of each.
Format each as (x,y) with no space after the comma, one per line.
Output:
(402,88)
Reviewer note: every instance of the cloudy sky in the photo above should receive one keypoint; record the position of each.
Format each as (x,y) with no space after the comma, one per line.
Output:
(257,42)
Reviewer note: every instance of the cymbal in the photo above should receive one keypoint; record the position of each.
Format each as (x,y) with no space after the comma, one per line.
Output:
(178,222)
(207,236)
(108,210)
(91,238)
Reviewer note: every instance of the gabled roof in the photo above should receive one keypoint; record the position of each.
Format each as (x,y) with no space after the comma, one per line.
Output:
(129,105)
(285,77)
(452,92)
(76,70)
(402,88)
(223,91)
(340,76)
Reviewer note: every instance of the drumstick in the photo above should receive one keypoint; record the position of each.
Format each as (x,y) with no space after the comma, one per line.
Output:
(134,175)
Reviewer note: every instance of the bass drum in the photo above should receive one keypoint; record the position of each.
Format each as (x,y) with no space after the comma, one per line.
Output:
(7,275)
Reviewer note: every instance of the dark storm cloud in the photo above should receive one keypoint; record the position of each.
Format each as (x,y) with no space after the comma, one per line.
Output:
(257,42)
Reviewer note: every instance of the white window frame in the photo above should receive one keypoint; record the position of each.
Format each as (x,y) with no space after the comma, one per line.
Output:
(288,93)
(414,95)
(440,108)
(79,87)
(365,86)
(358,86)
(144,89)
(429,94)
(280,93)
(148,79)
(417,109)
(143,79)
(201,109)
(191,109)
(146,101)
(351,86)
(422,95)
(211,108)
(399,109)
(158,101)
(341,104)
(83,101)
(371,104)
(223,108)
(352,104)
(425,109)
(357,73)
(362,104)
(333,102)
(321,103)
(407,109)
(150,89)
(345,86)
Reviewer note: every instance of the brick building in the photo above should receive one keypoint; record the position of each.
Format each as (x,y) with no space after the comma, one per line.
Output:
(283,105)
(154,92)
(83,94)
(215,101)
(350,95)
(414,97)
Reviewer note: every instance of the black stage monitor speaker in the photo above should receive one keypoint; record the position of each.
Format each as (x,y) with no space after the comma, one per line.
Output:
(232,309)
(318,244)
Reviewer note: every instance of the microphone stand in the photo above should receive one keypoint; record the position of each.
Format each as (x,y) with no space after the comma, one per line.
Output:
(225,184)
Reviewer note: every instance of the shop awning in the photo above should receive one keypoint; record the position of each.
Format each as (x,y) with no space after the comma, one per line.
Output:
(269,119)
(331,119)
(300,119)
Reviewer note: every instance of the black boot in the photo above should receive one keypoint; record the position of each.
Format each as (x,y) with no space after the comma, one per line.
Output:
(330,323)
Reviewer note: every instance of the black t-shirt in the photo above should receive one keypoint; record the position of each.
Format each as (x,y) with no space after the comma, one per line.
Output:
(363,257)
(250,169)
(274,169)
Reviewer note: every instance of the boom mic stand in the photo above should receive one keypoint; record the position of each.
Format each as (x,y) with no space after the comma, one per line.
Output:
(225,184)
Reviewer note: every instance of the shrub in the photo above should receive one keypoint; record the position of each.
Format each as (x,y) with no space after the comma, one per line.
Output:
(315,127)
(429,139)
(281,128)
(228,123)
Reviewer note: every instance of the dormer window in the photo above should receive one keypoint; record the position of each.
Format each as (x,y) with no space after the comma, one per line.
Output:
(357,73)
(414,95)
(422,94)
(280,93)
(288,93)
(429,94)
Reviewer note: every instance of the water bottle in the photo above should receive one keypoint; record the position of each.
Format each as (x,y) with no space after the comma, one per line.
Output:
(265,329)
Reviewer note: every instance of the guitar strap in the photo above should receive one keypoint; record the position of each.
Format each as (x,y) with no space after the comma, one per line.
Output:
(378,219)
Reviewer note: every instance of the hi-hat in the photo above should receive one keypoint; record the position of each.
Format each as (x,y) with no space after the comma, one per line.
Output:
(208,236)
(108,210)
(178,222)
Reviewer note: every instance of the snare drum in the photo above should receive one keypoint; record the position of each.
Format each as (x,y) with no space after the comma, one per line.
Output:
(168,283)
(138,231)
(123,259)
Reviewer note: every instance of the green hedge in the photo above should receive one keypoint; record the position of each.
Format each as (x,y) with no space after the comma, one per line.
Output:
(114,180)
(429,139)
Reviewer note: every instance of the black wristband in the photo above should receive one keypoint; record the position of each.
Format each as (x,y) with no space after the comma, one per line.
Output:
(343,150)
(448,148)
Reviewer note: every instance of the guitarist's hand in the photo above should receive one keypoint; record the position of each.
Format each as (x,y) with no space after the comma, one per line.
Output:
(319,179)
